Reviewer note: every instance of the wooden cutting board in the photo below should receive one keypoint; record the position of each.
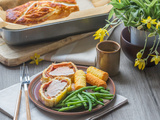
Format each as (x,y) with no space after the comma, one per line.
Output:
(15,55)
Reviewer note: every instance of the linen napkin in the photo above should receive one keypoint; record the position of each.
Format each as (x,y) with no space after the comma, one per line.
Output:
(8,103)
(82,52)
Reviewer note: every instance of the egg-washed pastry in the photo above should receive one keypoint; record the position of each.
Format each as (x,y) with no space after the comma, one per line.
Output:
(64,69)
(53,91)
(98,73)
(34,12)
(95,81)
(79,79)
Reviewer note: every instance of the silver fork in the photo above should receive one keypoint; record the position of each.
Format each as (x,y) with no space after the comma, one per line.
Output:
(27,81)
(22,70)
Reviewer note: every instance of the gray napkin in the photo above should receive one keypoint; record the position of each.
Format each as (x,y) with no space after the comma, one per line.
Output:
(8,103)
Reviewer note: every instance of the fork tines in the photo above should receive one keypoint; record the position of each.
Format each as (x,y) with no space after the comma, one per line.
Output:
(24,74)
(27,78)
(22,71)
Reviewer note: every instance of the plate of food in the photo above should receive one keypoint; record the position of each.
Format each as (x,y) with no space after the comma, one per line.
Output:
(67,89)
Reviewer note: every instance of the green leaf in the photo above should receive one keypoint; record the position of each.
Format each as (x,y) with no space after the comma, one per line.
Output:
(147,1)
(135,13)
(147,4)
(117,5)
(111,14)
(119,15)
(127,1)
(152,34)
(142,5)
(157,14)
(152,3)
(130,18)
(138,3)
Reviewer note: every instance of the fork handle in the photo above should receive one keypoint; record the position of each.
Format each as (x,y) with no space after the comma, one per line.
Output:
(27,106)
(17,105)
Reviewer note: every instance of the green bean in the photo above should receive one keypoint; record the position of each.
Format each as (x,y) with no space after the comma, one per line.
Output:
(104,91)
(94,96)
(56,109)
(61,105)
(81,98)
(109,95)
(70,108)
(77,91)
(101,94)
(73,99)
(90,96)
(100,99)
(69,92)
(73,103)
(98,89)
(94,104)
(86,93)
(89,103)
(87,100)
(108,98)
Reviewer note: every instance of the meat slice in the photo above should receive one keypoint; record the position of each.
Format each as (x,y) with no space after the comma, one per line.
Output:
(65,70)
(55,88)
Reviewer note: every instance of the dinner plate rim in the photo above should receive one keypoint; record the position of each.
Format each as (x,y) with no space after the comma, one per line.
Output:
(31,89)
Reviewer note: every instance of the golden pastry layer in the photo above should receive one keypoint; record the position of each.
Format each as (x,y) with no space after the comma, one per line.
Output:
(64,69)
(35,12)
(95,81)
(53,91)
(98,73)
(79,79)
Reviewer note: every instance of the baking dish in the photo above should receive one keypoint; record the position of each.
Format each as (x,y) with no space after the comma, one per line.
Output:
(53,31)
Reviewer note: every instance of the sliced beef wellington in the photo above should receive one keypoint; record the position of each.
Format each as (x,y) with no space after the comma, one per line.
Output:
(53,91)
(64,69)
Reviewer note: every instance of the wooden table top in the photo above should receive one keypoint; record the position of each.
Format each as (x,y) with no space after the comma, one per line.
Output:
(142,88)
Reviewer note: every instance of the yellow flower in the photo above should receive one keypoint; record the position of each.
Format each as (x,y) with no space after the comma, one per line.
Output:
(139,55)
(140,63)
(158,25)
(149,21)
(155,59)
(100,34)
(35,59)
(119,1)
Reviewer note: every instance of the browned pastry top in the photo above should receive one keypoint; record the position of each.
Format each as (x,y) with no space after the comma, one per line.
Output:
(65,1)
(35,12)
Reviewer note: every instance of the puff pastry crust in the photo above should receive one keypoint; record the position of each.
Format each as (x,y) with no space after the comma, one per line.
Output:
(52,100)
(35,12)
(64,69)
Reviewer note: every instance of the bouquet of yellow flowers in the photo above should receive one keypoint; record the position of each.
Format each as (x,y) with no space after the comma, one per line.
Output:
(141,14)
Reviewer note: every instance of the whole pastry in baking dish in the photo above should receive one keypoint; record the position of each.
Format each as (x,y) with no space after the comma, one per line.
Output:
(52,92)
(64,69)
(35,12)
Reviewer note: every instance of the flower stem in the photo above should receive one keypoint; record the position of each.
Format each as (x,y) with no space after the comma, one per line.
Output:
(151,49)
(145,43)
(155,50)
(114,26)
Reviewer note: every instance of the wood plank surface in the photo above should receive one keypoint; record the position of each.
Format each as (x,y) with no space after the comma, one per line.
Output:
(15,55)
(140,87)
